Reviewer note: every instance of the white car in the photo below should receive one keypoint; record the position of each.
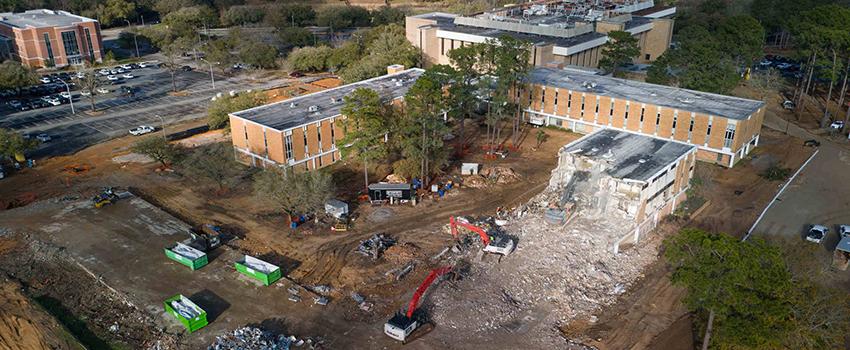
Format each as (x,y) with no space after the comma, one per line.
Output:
(44,137)
(112,78)
(54,102)
(104,72)
(80,75)
(844,230)
(817,233)
(121,70)
(128,76)
(113,72)
(838,124)
(126,67)
(141,130)
(102,90)
(147,64)
(45,80)
(65,94)
(85,93)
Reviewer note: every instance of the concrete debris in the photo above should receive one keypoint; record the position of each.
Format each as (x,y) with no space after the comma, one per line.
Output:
(253,338)
(361,302)
(475,181)
(401,253)
(500,175)
(556,274)
(395,179)
(321,301)
(373,247)
(321,289)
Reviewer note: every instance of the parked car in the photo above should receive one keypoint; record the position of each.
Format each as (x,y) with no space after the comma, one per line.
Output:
(838,124)
(43,137)
(80,75)
(817,233)
(127,91)
(85,93)
(15,104)
(102,90)
(65,94)
(844,230)
(104,72)
(128,76)
(112,78)
(126,67)
(45,80)
(186,68)
(141,130)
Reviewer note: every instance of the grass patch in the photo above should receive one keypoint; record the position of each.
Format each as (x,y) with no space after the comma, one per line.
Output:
(78,327)
(776,173)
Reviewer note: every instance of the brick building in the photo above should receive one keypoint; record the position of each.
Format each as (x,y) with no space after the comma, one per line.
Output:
(724,128)
(625,177)
(42,38)
(301,132)
(561,33)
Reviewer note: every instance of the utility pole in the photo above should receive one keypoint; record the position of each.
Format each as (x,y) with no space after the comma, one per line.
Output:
(135,37)
(70,98)
(162,125)
(212,77)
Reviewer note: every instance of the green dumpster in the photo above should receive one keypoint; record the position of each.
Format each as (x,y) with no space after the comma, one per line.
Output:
(188,313)
(186,255)
(258,269)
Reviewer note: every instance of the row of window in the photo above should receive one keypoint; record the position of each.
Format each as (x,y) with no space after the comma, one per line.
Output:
(287,142)
(71,46)
(728,137)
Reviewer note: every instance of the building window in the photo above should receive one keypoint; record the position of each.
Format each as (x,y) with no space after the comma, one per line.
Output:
(642,110)
(597,104)
(50,60)
(542,97)
(626,115)
(319,135)
(569,100)
(708,132)
(647,57)
(306,147)
(443,46)
(245,129)
(287,144)
(556,98)
(89,44)
(730,135)
(333,137)
(611,112)
(582,103)
(69,41)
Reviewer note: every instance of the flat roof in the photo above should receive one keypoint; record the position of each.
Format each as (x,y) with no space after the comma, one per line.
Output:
(41,18)
(296,111)
(630,156)
(660,95)
(532,38)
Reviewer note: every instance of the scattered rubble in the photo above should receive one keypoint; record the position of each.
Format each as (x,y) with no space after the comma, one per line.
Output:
(401,253)
(252,338)
(361,302)
(500,175)
(373,247)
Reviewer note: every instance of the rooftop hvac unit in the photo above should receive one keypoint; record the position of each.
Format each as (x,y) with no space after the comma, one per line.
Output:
(313,108)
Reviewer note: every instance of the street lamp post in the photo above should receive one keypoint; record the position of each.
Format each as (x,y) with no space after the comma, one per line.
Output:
(135,35)
(162,125)
(70,98)
(212,77)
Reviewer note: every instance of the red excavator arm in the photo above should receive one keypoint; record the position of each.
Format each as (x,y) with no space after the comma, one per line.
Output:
(484,236)
(435,273)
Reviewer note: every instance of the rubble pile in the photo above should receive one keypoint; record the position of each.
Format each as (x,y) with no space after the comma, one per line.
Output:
(556,274)
(500,175)
(474,181)
(401,253)
(373,247)
(257,339)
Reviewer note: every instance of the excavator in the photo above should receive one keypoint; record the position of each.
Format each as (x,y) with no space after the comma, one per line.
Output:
(106,197)
(402,326)
(494,242)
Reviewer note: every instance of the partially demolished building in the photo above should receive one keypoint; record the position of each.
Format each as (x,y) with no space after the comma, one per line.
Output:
(627,177)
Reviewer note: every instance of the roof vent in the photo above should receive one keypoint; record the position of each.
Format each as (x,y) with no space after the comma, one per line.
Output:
(594,149)
(313,108)
(292,105)
(608,154)
(641,160)
(686,100)
(653,94)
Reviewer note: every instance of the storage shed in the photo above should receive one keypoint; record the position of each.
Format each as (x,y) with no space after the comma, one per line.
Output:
(386,191)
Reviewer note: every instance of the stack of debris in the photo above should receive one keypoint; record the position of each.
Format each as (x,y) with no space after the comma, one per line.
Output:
(500,175)
(373,247)
(361,302)
(401,253)
(257,339)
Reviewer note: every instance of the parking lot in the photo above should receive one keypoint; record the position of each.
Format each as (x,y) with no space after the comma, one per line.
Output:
(152,104)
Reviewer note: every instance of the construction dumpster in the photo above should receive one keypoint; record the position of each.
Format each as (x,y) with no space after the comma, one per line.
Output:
(188,313)
(186,255)
(258,269)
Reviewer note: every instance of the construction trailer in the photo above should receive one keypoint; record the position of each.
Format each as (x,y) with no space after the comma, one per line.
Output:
(383,192)
(187,312)
(259,270)
(186,255)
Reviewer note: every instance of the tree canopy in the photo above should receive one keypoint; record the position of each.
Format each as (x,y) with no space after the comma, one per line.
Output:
(213,163)
(422,128)
(620,49)
(364,125)
(12,144)
(157,148)
(294,192)
(13,75)
(218,111)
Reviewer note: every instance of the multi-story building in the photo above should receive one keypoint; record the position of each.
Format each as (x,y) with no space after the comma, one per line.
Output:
(561,33)
(44,38)
(302,132)
(723,128)
(628,178)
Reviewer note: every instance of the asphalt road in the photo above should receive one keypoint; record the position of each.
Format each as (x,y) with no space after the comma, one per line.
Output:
(72,132)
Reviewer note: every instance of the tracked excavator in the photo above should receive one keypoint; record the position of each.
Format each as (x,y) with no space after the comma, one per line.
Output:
(412,324)
(494,241)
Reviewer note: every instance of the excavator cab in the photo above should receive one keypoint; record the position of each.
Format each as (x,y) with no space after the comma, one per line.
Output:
(400,327)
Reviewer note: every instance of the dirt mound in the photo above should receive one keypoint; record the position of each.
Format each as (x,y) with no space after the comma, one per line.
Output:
(401,253)
(395,179)
(24,325)
(475,181)
(500,175)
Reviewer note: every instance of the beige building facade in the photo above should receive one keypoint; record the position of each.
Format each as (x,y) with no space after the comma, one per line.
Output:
(723,128)
(43,38)
(557,40)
